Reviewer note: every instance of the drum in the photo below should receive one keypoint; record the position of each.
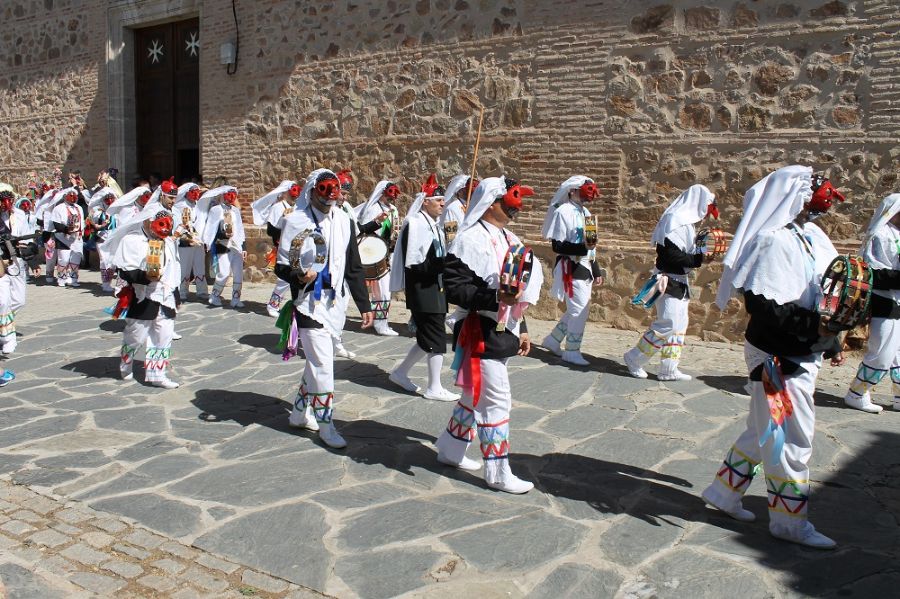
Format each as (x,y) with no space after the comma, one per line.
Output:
(373,253)
(846,292)
(712,242)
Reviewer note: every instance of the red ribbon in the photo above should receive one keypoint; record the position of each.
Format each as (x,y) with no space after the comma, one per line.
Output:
(471,340)
(568,286)
(126,296)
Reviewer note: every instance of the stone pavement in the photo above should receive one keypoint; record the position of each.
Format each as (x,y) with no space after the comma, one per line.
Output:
(212,469)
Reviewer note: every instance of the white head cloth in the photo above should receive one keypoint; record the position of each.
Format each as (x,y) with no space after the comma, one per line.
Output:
(365,212)
(262,207)
(875,248)
(116,236)
(214,218)
(127,200)
(485,194)
(769,205)
(205,201)
(688,208)
(58,197)
(183,190)
(308,186)
(420,234)
(97,198)
(456,184)
(559,197)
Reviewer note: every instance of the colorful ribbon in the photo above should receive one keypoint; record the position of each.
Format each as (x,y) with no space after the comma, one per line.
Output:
(780,406)
(120,309)
(568,284)
(290,334)
(467,359)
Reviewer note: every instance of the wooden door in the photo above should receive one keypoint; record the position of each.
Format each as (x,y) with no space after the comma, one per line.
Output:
(167,99)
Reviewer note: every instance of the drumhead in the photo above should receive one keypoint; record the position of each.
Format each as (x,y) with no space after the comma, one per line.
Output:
(372,249)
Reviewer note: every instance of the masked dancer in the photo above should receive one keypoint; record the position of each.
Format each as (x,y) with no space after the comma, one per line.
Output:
(271,209)
(223,234)
(188,232)
(378,216)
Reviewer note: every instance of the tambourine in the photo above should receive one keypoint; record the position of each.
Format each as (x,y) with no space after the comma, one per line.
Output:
(712,242)
(450,229)
(846,292)
(591,228)
(228,224)
(514,275)
(299,256)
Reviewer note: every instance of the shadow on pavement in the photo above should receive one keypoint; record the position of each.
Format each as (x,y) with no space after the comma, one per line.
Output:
(113,326)
(103,367)
(266,341)
(595,363)
(728,382)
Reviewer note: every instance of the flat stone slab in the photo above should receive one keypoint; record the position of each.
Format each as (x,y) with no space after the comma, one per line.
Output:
(174,518)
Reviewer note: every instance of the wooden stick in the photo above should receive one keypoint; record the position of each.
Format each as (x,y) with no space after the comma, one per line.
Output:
(474,159)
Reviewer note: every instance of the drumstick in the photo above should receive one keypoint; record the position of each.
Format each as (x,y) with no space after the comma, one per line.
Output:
(474,159)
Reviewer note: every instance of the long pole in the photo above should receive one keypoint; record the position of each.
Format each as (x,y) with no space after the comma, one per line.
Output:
(474,158)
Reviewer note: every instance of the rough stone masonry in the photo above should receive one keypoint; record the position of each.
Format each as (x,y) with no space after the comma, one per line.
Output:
(647,97)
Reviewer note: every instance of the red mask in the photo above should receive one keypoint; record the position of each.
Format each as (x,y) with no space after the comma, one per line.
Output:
(294,191)
(26,206)
(230,198)
(71,197)
(108,200)
(6,204)
(45,188)
(589,191)
(823,195)
(512,199)
(713,210)
(329,189)
(193,194)
(161,225)
(392,191)
(169,187)
(345,180)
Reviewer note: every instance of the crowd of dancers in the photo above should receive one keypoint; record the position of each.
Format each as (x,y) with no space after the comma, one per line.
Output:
(452,249)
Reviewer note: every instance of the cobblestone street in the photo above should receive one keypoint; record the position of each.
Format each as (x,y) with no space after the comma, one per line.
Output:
(121,489)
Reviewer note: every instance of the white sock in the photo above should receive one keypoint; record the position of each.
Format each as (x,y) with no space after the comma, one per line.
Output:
(435,362)
(415,354)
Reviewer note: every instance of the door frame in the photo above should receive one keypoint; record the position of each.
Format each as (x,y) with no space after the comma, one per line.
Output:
(123,16)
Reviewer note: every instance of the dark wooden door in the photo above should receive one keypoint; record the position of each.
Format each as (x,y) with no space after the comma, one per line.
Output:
(167,99)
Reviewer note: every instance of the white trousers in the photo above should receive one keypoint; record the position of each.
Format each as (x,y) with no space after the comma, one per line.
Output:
(18,271)
(882,356)
(489,420)
(569,331)
(380,295)
(50,256)
(7,317)
(278,293)
(230,264)
(193,267)
(157,334)
(787,477)
(665,335)
(68,262)
(317,384)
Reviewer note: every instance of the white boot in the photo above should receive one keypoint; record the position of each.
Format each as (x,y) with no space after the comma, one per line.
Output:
(165,383)
(499,476)
(862,402)
(466,463)
(330,437)
(126,371)
(273,312)
(305,419)
(802,533)
(574,357)
(382,327)
(551,344)
(236,298)
(736,511)
(342,352)
(634,368)
(215,299)
(668,371)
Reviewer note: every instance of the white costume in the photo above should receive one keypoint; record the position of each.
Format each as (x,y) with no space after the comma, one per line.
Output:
(472,278)
(269,210)
(319,314)
(103,226)
(575,270)
(191,251)
(881,249)
(676,255)
(42,211)
(227,251)
(68,226)
(151,314)
(380,289)
(777,265)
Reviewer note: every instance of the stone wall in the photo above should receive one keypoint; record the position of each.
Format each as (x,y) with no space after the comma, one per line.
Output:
(647,97)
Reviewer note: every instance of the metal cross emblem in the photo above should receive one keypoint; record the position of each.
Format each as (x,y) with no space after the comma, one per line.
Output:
(155,51)
(192,46)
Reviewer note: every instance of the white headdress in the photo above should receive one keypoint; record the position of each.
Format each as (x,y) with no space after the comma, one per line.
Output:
(559,197)
(484,195)
(688,208)
(111,244)
(263,206)
(769,205)
(306,194)
(889,207)
(363,208)
(127,200)
(98,197)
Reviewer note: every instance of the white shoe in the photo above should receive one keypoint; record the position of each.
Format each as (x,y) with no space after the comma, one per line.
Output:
(467,464)
(273,312)
(512,484)
(176,336)
(737,512)
(863,402)
(215,300)
(633,369)
(330,437)
(675,376)
(342,352)
(401,380)
(237,304)
(126,375)
(165,384)
(305,419)
(61,282)
(441,395)
(803,534)
(383,328)
(574,357)
(551,344)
